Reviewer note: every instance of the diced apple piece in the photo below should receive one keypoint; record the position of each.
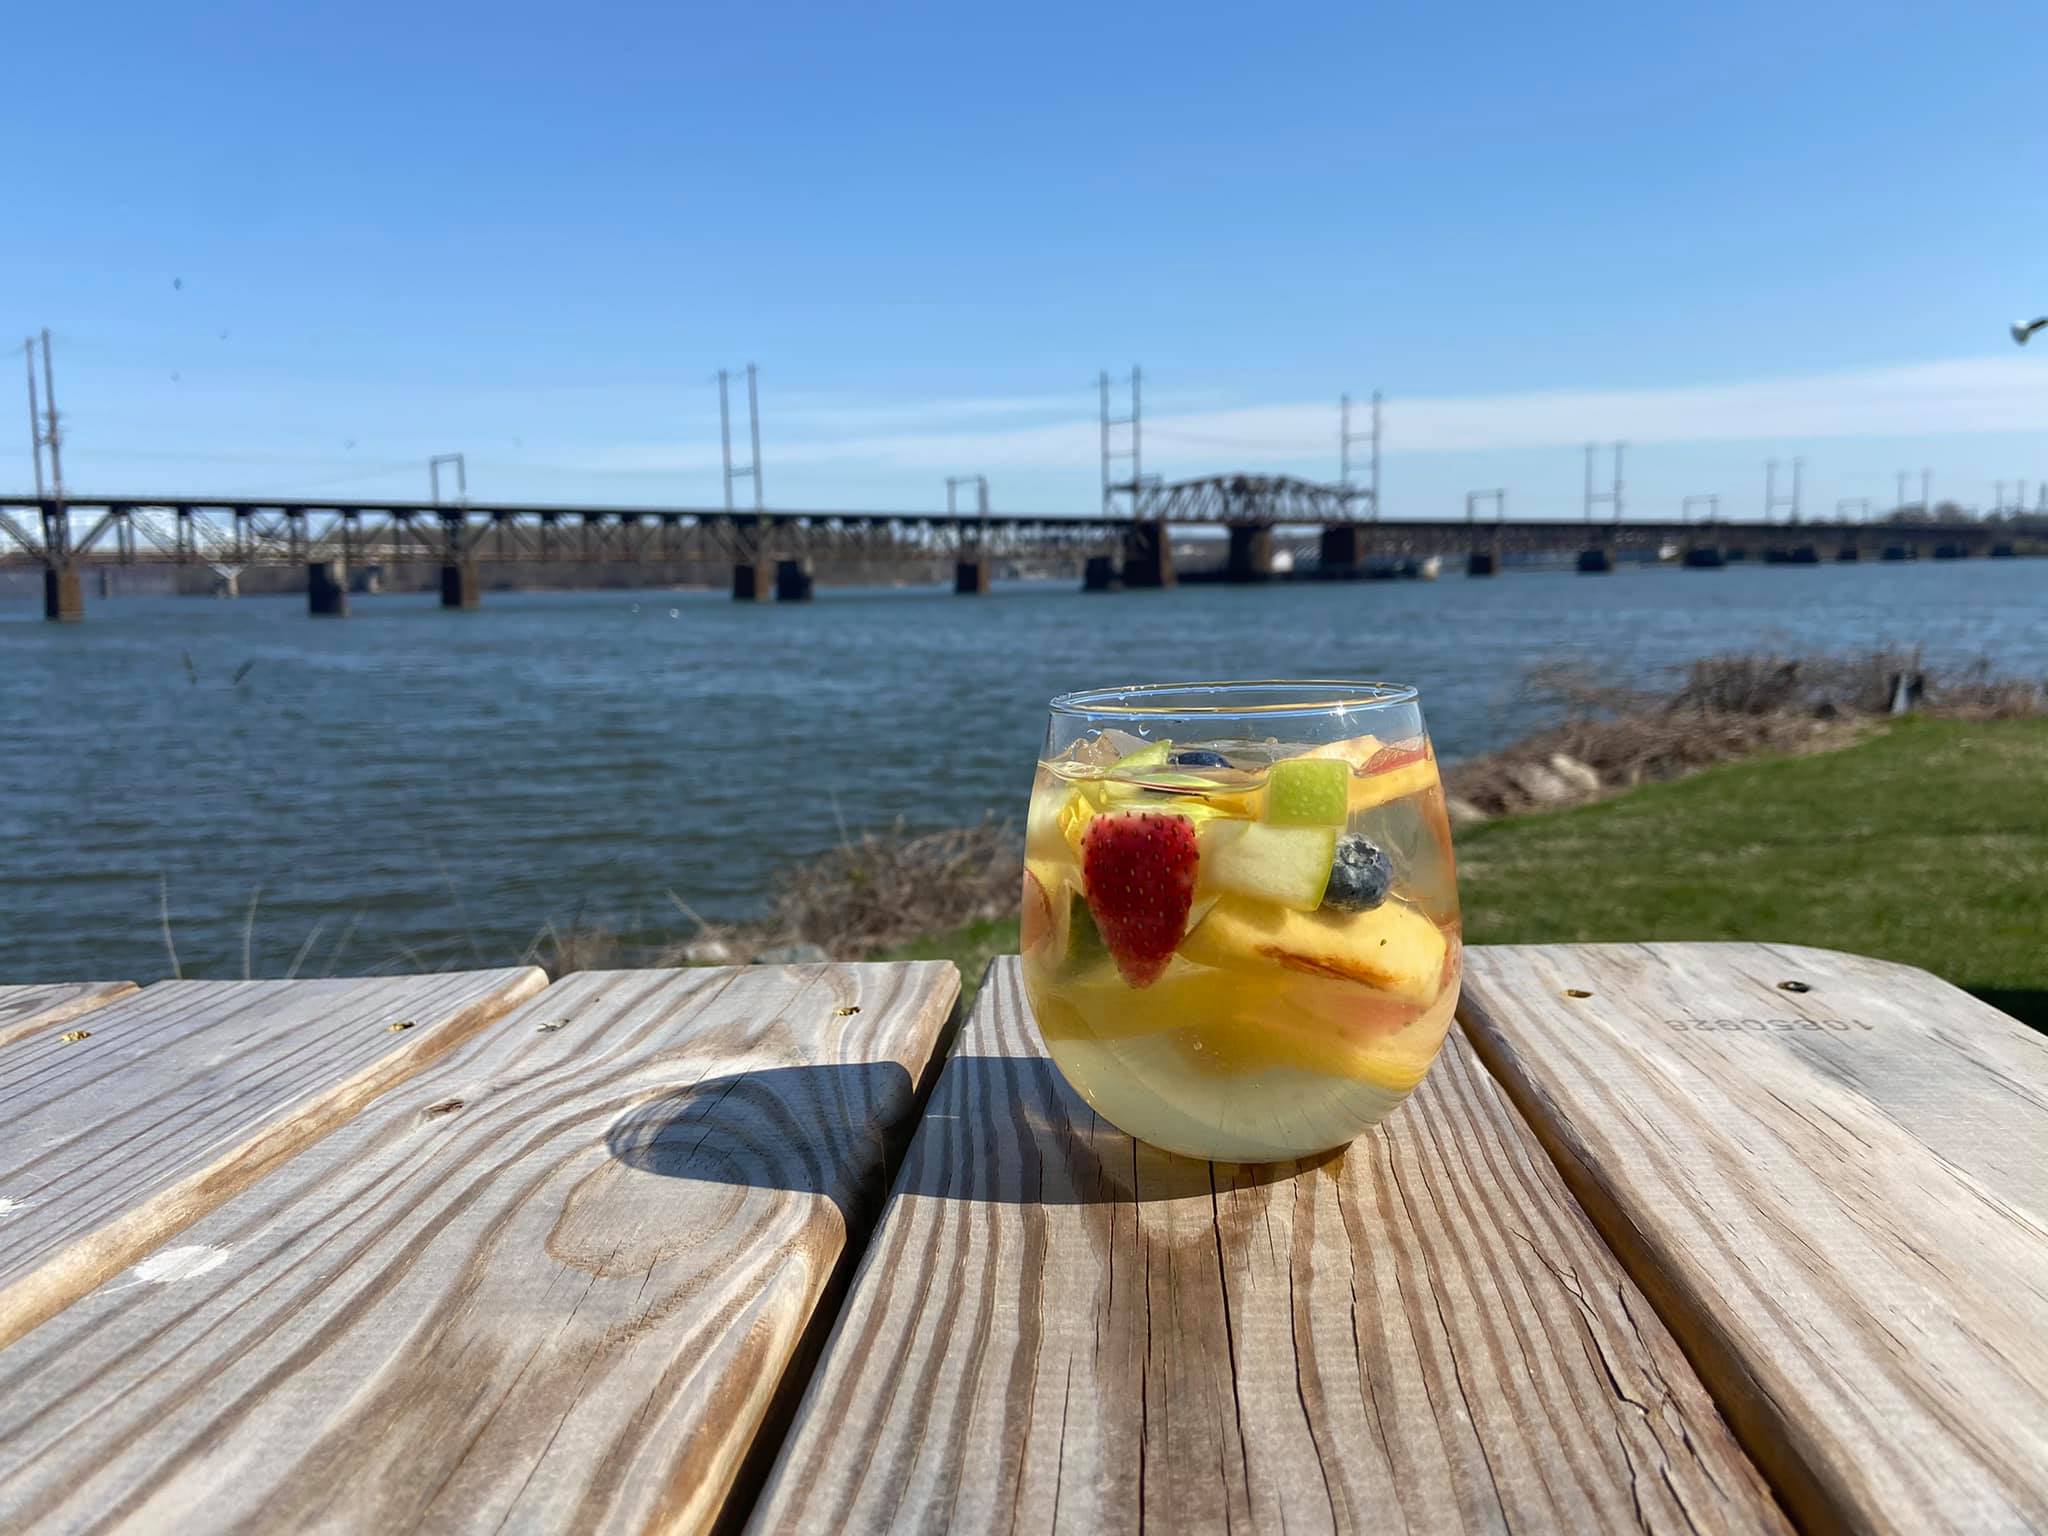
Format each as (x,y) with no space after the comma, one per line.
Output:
(1038,922)
(1287,865)
(1392,948)
(1308,792)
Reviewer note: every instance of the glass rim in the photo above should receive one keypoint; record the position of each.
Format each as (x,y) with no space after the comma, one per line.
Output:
(1152,701)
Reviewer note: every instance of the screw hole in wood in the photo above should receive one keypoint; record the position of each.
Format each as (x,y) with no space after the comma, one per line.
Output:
(1793,986)
(397,1024)
(1576,992)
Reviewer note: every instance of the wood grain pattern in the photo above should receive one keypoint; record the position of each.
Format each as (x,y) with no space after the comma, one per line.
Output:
(1835,1197)
(1057,1328)
(26,1010)
(187,1092)
(555,1281)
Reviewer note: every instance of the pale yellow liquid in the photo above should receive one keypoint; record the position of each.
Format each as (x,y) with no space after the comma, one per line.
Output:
(1264,1058)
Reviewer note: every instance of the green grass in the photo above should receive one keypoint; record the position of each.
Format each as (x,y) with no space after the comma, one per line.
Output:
(1927,844)
(971,948)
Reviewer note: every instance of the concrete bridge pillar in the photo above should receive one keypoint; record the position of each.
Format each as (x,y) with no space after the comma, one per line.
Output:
(1484,561)
(63,600)
(1899,552)
(1704,557)
(751,581)
(793,581)
(327,589)
(461,586)
(970,576)
(1148,556)
(1342,550)
(1101,575)
(1596,561)
(1849,553)
(1251,552)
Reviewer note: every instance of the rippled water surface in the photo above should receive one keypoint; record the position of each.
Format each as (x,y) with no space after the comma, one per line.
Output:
(410,788)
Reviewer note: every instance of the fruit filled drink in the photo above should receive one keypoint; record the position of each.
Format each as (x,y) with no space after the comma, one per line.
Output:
(1241,949)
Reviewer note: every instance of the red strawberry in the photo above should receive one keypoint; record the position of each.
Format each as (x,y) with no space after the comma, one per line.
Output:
(1140,872)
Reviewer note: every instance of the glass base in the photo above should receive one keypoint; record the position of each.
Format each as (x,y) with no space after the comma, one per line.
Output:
(1153,1087)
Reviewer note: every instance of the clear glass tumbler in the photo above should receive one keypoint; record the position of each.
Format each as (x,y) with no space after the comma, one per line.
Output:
(1240,916)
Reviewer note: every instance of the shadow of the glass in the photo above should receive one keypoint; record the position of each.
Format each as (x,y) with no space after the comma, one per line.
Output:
(997,1129)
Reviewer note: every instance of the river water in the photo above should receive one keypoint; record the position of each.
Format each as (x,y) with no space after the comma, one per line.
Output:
(412,789)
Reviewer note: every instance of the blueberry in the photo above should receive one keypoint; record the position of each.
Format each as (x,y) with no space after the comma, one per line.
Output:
(1360,876)
(1200,757)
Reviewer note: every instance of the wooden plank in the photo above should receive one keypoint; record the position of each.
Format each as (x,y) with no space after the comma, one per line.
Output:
(561,1279)
(26,1010)
(189,1091)
(1057,1328)
(1834,1196)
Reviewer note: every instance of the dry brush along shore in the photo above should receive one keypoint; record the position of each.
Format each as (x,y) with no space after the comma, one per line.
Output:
(897,886)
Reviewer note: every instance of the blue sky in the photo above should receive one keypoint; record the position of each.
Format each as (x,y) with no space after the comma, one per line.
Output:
(299,249)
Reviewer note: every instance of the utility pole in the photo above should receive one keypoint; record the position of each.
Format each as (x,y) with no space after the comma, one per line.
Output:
(754,432)
(1900,504)
(980,484)
(1772,500)
(461,477)
(725,437)
(1346,437)
(1613,495)
(753,470)
(53,436)
(35,427)
(1110,454)
(1927,493)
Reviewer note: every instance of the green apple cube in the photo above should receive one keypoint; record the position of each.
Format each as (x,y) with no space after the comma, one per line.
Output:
(1288,866)
(1308,792)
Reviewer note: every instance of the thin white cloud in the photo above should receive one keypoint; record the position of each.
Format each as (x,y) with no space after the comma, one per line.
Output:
(1957,396)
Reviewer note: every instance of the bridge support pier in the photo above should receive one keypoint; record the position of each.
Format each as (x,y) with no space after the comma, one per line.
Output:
(1251,553)
(1703,557)
(1148,556)
(327,589)
(750,581)
(227,583)
(1341,551)
(1848,554)
(2003,552)
(1482,562)
(461,586)
(63,599)
(1951,552)
(793,581)
(1101,575)
(1899,552)
(970,577)
(1595,561)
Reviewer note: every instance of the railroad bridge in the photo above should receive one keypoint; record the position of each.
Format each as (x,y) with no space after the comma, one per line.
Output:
(777,552)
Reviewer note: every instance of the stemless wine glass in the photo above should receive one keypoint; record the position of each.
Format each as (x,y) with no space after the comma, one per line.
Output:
(1240,919)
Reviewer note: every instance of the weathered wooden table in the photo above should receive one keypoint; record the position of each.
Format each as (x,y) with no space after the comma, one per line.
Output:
(1676,1237)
